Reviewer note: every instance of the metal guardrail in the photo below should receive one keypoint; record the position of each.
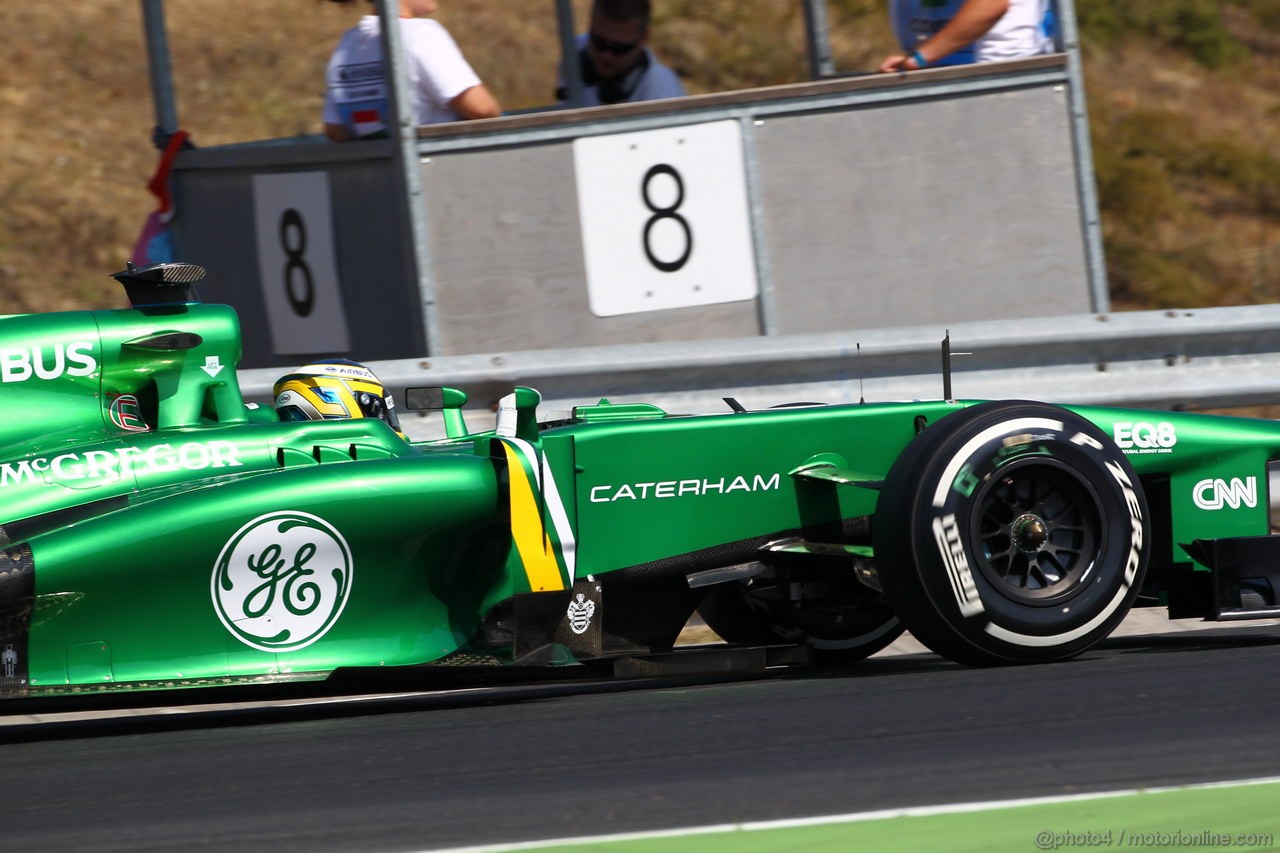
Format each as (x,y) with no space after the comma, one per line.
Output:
(1184,359)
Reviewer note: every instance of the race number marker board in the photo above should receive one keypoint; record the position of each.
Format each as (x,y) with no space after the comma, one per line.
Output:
(665,220)
(297,265)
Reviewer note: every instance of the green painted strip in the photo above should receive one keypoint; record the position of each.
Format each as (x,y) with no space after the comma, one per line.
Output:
(1230,817)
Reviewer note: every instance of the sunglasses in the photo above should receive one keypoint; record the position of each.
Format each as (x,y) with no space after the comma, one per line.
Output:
(617,48)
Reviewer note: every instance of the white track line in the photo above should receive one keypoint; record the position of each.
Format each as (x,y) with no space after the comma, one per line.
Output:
(854,817)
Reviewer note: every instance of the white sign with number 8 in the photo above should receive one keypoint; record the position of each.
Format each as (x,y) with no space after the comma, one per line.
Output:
(665,220)
(297,265)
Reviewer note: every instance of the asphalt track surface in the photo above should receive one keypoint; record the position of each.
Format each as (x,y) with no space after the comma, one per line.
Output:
(417,773)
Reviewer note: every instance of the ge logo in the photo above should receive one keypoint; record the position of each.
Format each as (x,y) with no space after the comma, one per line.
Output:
(666,217)
(282,581)
(299,284)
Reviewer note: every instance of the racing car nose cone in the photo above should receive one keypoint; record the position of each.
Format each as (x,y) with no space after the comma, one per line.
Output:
(1029,533)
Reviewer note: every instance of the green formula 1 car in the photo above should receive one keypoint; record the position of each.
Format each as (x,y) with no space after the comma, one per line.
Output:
(159,533)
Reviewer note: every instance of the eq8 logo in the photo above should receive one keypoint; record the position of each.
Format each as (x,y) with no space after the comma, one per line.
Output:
(1143,437)
(74,359)
(282,581)
(1214,493)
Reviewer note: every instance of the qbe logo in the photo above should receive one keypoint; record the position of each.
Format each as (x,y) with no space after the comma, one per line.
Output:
(282,581)
(1143,437)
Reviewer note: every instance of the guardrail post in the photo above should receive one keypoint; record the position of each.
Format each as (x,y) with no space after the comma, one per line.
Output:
(408,163)
(1067,38)
(572,69)
(818,36)
(162,96)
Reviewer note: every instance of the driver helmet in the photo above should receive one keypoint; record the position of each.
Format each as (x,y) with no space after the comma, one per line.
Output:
(332,389)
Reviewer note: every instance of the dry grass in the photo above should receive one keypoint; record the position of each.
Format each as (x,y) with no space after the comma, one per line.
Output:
(1188,163)
(77,122)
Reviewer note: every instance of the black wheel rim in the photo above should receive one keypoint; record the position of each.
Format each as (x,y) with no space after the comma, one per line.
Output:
(1037,532)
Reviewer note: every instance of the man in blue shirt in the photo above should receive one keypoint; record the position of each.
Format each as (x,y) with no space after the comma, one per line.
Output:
(980,30)
(617,64)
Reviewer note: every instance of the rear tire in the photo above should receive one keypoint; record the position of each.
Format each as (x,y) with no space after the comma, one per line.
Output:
(1011,532)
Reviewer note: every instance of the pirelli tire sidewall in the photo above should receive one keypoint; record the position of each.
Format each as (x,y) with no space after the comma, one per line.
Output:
(933,533)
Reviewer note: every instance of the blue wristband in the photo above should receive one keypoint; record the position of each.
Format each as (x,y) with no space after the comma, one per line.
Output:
(920,63)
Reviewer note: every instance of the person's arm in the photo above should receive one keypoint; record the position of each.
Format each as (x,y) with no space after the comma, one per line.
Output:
(972,21)
(475,102)
(336,132)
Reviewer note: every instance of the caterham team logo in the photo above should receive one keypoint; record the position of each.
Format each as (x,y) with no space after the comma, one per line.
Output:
(282,581)
(581,609)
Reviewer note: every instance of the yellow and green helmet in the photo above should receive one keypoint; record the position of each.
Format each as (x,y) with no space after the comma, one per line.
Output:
(332,389)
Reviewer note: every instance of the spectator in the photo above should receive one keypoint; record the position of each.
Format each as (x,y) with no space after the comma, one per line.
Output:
(442,85)
(617,64)
(998,30)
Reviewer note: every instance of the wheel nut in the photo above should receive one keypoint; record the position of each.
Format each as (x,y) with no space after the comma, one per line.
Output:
(1029,533)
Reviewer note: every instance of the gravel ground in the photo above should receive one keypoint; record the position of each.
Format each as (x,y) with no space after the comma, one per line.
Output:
(1147,620)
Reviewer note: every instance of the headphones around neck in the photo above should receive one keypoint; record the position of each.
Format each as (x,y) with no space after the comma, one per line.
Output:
(612,90)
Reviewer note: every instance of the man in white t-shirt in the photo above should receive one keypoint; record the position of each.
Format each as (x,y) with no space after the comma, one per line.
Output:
(997,29)
(442,85)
